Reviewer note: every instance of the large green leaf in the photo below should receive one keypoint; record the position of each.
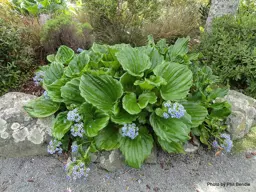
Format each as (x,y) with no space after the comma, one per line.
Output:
(77,64)
(64,54)
(101,91)
(220,110)
(53,73)
(152,82)
(170,130)
(145,98)
(128,82)
(123,117)
(61,125)
(130,104)
(156,58)
(171,147)
(41,107)
(93,118)
(71,93)
(54,89)
(197,112)
(180,48)
(108,138)
(179,80)
(137,150)
(133,61)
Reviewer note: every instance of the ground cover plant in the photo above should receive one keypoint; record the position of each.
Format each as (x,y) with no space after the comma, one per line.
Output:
(128,98)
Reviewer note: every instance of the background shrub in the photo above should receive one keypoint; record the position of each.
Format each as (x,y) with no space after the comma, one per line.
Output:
(19,46)
(64,30)
(231,50)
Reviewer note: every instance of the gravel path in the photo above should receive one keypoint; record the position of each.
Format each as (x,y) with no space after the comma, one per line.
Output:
(174,173)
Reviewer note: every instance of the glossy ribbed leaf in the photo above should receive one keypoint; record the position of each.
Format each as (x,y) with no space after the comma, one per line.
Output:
(123,117)
(101,91)
(197,112)
(93,118)
(133,61)
(130,104)
(137,150)
(64,54)
(170,130)
(54,90)
(151,82)
(71,93)
(108,138)
(171,147)
(127,82)
(53,73)
(178,78)
(61,125)
(146,98)
(41,107)
(180,48)
(77,64)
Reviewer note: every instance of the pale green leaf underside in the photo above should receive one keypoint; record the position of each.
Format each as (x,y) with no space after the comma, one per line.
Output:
(130,104)
(64,54)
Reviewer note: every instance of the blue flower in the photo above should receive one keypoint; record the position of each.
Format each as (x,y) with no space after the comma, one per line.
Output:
(39,77)
(77,129)
(40,6)
(74,147)
(45,94)
(130,130)
(174,110)
(228,143)
(215,144)
(79,50)
(74,115)
(76,170)
(54,146)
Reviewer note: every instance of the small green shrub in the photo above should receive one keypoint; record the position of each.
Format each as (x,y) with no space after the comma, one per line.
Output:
(63,30)
(230,49)
(120,97)
(16,57)
(121,21)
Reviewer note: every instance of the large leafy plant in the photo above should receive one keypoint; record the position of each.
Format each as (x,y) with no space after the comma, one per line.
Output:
(112,97)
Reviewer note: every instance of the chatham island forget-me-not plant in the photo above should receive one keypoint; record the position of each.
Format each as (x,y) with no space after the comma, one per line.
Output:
(121,97)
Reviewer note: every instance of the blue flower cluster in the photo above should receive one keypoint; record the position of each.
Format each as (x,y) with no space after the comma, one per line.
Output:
(130,130)
(45,94)
(77,129)
(54,146)
(174,110)
(40,6)
(79,50)
(227,143)
(39,77)
(74,147)
(76,170)
(74,116)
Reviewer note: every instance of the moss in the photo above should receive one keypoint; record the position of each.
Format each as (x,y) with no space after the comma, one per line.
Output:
(248,142)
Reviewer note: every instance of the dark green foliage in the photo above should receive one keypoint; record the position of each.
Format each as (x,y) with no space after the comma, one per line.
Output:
(231,50)
(16,57)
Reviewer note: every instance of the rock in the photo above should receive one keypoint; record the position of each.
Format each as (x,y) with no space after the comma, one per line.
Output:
(192,147)
(243,116)
(219,8)
(20,134)
(111,161)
